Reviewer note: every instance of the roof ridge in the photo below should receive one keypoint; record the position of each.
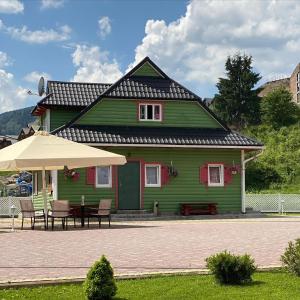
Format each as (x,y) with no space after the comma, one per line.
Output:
(78,82)
(153,127)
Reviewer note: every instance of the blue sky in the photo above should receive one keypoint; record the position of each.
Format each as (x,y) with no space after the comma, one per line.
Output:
(100,40)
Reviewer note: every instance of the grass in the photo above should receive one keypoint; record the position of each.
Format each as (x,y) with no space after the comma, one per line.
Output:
(266,285)
(283,215)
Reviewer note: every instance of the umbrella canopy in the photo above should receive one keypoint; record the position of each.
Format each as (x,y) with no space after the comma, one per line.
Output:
(45,151)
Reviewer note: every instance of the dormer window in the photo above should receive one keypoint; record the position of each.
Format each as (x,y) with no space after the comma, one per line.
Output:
(150,112)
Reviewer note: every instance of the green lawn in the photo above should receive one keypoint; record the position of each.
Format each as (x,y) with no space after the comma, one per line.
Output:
(266,285)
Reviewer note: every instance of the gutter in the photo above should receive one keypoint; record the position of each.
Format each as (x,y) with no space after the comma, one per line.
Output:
(243,183)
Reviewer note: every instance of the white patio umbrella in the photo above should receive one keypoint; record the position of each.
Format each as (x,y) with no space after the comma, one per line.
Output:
(44,151)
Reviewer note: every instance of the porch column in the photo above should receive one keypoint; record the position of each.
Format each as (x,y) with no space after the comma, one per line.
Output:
(54,184)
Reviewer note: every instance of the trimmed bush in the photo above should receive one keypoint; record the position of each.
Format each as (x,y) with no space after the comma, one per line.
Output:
(100,283)
(291,257)
(231,269)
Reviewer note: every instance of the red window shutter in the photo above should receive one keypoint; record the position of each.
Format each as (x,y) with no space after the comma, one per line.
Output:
(227,175)
(164,175)
(91,175)
(204,174)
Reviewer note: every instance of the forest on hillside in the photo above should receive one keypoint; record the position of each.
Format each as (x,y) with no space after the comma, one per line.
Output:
(12,122)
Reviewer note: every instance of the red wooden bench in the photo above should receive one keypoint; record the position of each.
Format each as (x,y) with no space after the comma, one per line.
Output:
(198,208)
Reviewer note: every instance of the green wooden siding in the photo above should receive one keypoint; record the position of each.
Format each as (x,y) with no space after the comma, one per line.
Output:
(124,112)
(70,190)
(146,70)
(59,117)
(184,188)
(38,200)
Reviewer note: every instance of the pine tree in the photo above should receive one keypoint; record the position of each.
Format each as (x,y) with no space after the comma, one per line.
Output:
(237,102)
(100,283)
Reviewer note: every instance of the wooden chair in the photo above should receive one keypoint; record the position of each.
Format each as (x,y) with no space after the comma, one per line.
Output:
(103,211)
(28,211)
(60,209)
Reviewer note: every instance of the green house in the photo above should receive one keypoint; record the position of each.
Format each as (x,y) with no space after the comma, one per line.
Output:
(177,150)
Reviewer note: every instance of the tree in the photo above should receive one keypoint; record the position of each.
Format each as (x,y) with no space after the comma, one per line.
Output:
(100,283)
(237,102)
(279,166)
(278,109)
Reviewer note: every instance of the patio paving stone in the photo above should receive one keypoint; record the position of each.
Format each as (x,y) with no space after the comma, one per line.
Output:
(140,247)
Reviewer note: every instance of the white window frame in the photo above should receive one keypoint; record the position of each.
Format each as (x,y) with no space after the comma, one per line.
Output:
(158,175)
(214,184)
(109,185)
(153,108)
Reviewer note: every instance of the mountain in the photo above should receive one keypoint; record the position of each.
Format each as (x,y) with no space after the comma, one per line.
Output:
(12,122)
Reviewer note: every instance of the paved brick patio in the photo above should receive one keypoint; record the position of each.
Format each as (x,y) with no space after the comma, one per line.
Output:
(134,247)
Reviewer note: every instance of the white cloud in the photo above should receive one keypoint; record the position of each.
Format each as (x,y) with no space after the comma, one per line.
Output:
(12,96)
(11,6)
(4,60)
(38,36)
(93,65)
(34,76)
(194,47)
(104,26)
(47,4)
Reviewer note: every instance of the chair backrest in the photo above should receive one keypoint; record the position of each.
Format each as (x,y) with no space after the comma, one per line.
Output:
(60,208)
(27,208)
(104,207)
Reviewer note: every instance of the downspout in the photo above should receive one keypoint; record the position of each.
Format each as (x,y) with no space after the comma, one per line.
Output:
(243,183)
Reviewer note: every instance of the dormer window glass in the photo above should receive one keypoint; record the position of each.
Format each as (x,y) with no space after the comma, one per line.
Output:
(150,112)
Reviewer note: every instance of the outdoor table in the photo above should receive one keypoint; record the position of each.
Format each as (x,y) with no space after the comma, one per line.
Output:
(81,211)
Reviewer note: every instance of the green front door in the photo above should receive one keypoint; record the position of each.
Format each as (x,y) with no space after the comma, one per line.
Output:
(129,185)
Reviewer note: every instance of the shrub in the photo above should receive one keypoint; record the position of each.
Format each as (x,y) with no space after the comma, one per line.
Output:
(231,269)
(291,257)
(100,283)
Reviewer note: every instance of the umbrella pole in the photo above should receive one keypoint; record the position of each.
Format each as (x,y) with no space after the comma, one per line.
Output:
(44,192)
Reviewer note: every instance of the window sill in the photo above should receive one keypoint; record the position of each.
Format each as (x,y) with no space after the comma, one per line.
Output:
(141,120)
(103,186)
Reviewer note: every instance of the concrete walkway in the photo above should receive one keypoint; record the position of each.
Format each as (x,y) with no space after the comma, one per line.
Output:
(141,247)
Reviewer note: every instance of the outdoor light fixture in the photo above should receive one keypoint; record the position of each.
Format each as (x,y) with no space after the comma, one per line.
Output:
(12,212)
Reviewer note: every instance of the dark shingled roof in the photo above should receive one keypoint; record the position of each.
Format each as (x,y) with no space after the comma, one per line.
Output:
(72,93)
(154,135)
(146,87)
(79,94)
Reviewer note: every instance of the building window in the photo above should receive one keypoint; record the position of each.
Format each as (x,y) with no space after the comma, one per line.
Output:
(103,177)
(152,175)
(150,112)
(298,83)
(215,175)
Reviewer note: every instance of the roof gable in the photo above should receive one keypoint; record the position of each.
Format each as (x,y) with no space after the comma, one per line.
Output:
(147,69)
(131,86)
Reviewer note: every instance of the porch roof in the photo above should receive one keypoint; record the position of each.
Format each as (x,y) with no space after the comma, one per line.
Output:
(160,136)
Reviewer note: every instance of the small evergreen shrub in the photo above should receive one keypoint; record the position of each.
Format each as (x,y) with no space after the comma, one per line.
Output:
(231,269)
(291,257)
(100,283)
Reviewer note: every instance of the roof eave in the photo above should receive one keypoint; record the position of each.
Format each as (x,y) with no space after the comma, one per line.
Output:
(241,147)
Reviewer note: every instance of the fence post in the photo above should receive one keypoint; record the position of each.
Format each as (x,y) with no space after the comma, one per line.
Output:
(279,204)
